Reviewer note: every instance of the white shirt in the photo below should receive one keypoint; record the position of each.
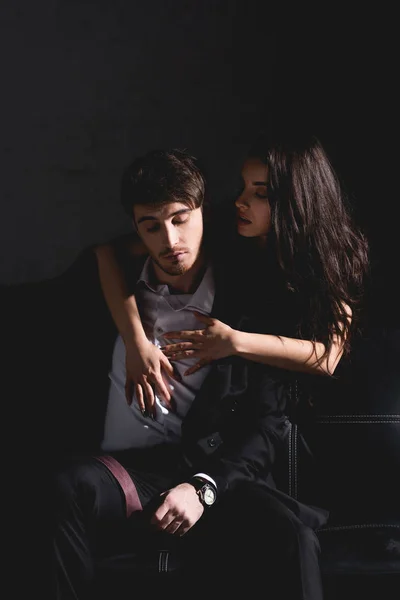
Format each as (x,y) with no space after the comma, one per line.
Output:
(160,311)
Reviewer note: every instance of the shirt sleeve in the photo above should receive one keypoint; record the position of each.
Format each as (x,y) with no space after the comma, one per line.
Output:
(207,477)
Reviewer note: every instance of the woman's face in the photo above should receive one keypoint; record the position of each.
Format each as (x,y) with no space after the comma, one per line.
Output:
(253,215)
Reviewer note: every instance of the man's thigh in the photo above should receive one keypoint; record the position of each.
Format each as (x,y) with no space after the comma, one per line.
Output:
(152,470)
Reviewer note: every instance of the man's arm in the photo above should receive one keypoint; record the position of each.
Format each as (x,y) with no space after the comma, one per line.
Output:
(248,441)
(246,454)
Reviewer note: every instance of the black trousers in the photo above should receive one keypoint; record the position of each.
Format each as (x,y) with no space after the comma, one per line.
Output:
(249,542)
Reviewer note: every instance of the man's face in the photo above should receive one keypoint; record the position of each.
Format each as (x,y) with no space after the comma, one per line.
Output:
(172,234)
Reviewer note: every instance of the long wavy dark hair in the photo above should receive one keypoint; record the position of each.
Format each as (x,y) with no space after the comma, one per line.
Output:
(322,254)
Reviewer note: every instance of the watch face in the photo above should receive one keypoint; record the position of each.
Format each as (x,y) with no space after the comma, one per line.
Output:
(209,495)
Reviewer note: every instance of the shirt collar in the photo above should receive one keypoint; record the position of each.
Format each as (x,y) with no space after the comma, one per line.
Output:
(201,300)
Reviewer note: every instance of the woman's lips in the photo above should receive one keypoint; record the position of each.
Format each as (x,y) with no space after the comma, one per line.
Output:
(242,220)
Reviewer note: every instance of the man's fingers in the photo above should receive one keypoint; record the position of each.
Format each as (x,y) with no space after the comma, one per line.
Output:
(160,513)
(173,526)
(182,529)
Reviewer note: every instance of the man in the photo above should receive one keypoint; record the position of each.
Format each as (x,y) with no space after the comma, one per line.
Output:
(200,471)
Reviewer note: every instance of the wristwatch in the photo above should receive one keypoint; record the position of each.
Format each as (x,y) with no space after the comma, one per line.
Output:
(205,490)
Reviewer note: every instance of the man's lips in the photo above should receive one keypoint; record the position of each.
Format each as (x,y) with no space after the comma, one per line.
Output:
(174,255)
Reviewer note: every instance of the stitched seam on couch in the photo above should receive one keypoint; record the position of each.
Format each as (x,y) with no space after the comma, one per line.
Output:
(383,417)
(163,561)
(358,526)
(293,465)
(378,419)
(345,421)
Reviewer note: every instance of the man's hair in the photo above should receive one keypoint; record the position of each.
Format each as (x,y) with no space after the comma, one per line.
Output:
(160,177)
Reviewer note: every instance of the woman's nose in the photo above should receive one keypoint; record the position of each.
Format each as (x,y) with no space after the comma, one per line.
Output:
(240,202)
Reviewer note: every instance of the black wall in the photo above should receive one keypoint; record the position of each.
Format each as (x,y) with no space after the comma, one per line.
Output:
(86,85)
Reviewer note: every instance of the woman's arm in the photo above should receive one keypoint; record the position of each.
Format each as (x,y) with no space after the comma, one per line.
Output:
(288,353)
(144,361)
(218,340)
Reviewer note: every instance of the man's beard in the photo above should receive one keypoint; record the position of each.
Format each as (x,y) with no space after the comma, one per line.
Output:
(173,270)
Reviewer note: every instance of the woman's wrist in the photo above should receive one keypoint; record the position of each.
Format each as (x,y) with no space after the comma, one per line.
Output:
(135,339)
(235,341)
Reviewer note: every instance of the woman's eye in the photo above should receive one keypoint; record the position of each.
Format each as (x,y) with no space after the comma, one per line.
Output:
(260,195)
(153,229)
(180,221)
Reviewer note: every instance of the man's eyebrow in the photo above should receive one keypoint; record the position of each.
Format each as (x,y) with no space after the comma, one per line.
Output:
(151,218)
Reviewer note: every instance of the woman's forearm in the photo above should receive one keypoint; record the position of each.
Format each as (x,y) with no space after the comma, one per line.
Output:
(287,353)
(122,305)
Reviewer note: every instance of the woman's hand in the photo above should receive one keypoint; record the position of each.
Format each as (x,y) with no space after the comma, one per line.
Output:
(213,342)
(145,364)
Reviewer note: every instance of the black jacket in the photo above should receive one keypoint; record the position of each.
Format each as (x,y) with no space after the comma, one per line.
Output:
(236,425)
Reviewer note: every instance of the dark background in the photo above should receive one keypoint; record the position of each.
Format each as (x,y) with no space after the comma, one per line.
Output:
(87,85)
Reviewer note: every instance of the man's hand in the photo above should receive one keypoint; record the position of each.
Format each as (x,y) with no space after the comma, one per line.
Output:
(145,364)
(213,342)
(179,511)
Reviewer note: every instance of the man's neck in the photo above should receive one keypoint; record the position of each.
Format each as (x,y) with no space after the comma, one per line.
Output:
(188,282)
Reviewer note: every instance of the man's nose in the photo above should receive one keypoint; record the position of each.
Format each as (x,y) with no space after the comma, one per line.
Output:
(171,236)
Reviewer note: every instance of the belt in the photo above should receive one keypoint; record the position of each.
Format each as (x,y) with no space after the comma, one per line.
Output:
(132,500)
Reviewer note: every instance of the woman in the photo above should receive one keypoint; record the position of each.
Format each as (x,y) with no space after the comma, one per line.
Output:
(298,265)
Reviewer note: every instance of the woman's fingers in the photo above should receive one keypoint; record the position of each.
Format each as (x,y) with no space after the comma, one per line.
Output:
(169,349)
(199,365)
(129,388)
(182,354)
(148,397)
(195,335)
(204,318)
(163,390)
(167,367)
(139,397)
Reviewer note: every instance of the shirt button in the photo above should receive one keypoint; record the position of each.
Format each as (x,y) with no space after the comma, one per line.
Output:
(159,330)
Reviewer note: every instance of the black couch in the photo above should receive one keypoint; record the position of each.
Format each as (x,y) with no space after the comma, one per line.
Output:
(342,454)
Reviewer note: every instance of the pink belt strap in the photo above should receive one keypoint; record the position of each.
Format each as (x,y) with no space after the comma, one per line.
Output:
(132,499)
